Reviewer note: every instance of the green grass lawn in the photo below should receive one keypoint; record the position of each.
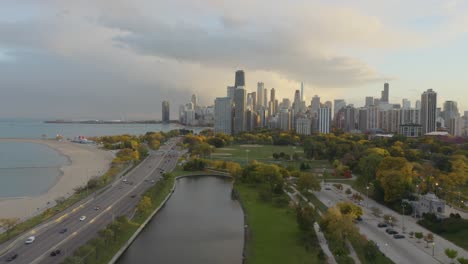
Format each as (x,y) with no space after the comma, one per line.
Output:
(274,233)
(254,152)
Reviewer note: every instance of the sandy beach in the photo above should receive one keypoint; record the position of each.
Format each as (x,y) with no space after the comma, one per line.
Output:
(86,161)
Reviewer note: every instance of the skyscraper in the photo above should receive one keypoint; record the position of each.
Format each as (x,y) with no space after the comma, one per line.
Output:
(406,103)
(230,92)
(451,117)
(385,93)
(240,79)
(265,97)
(315,104)
(297,102)
(285,120)
(324,117)
(417,105)
(260,87)
(240,97)
(223,115)
(428,111)
(339,104)
(194,100)
(302,91)
(271,104)
(165,111)
(369,101)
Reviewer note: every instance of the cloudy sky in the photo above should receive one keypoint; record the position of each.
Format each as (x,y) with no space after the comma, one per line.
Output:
(116,58)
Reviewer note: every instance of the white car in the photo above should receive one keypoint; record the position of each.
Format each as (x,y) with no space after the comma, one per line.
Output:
(30,240)
(83,217)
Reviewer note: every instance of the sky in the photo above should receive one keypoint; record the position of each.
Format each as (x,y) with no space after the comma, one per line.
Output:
(116,59)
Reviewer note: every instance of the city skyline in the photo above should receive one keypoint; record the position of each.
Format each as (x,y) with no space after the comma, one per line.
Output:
(129,62)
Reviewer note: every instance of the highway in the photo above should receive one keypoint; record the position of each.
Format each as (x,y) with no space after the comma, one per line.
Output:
(119,199)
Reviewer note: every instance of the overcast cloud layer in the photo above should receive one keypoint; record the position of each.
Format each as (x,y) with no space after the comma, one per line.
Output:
(114,59)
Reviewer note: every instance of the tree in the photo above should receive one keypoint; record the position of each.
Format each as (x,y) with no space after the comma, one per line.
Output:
(98,244)
(84,251)
(106,234)
(368,167)
(451,254)
(418,235)
(307,181)
(305,217)
(462,260)
(348,208)
(371,250)
(395,176)
(8,224)
(145,205)
(338,225)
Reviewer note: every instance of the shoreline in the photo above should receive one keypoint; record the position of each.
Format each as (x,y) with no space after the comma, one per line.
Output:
(84,163)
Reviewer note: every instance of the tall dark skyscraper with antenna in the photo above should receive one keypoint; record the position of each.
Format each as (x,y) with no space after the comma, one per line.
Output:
(385,93)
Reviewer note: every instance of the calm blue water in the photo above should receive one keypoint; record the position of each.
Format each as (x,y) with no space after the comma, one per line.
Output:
(31,169)
(21,128)
(28,169)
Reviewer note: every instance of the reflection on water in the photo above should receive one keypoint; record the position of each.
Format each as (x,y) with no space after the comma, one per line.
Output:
(200,224)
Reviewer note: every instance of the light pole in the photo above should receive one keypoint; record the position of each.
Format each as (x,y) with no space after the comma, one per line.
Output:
(433,245)
(367,201)
(403,205)
(437,185)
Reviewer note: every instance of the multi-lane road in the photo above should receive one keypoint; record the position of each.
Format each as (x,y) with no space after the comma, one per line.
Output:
(120,198)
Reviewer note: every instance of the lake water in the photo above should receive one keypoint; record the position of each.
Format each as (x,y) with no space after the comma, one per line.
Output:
(200,224)
(28,169)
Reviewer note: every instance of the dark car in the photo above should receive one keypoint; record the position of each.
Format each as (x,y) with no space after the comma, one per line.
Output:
(359,218)
(133,196)
(398,236)
(391,231)
(55,253)
(327,188)
(382,225)
(12,257)
(63,231)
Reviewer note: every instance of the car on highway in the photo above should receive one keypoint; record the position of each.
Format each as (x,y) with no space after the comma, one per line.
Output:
(398,236)
(391,231)
(55,253)
(328,188)
(63,231)
(125,180)
(97,207)
(152,181)
(382,225)
(82,218)
(30,240)
(12,257)
(133,196)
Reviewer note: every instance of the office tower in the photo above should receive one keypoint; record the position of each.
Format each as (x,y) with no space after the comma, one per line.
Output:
(265,97)
(376,101)
(297,102)
(182,114)
(302,91)
(373,117)
(284,119)
(303,126)
(324,117)
(369,101)
(249,103)
(240,98)
(428,111)
(254,100)
(240,79)
(251,120)
(230,92)
(328,104)
(406,103)
(349,118)
(260,102)
(389,120)
(315,104)
(165,111)
(285,104)
(194,100)
(190,117)
(417,105)
(385,92)
(362,122)
(223,115)
(410,116)
(339,104)
(451,117)
(271,104)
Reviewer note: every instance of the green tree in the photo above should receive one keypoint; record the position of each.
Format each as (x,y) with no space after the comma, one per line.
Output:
(451,254)
(462,260)
(98,243)
(307,181)
(395,176)
(106,234)
(368,167)
(418,235)
(8,223)
(305,217)
(145,205)
(348,208)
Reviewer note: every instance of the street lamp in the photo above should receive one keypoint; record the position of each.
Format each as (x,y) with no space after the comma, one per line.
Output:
(433,245)
(403,205)
(437,185)
(367,201)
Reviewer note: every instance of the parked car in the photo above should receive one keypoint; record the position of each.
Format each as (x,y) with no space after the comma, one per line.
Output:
(391,231)
(12,257)
(30,240)
(398,236)
(327,188)
(55,253)
(83,217)
(382,225)
(63,231)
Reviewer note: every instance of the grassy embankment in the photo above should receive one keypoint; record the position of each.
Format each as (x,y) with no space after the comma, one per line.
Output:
(274,236)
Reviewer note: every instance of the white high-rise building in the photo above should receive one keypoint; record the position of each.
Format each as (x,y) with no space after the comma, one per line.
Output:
(223,115)
(324,116)
(406,104)
(194,100)
(303,126)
